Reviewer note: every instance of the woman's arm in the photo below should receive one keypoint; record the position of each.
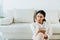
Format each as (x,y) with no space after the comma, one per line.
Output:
(40,30)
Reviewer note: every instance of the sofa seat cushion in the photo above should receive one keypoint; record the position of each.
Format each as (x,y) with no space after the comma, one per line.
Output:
(23,31)
(56,28)
(17,28)
(17,31)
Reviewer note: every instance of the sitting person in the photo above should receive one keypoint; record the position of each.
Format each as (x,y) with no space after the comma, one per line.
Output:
(40,29)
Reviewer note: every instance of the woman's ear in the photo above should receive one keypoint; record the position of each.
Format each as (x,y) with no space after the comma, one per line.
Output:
(35,20)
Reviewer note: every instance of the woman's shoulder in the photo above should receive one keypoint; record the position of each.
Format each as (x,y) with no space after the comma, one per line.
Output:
(46,23)
(33,24)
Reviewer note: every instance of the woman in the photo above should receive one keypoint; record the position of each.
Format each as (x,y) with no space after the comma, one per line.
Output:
(40,28)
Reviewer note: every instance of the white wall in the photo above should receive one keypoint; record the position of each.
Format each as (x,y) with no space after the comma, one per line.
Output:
(22,4)
(1,11)
(27,4)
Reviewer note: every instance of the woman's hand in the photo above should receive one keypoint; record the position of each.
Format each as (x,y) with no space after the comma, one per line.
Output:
(45,36)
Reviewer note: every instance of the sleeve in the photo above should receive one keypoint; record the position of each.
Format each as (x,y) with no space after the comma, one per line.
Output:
(32,27)
(49,30)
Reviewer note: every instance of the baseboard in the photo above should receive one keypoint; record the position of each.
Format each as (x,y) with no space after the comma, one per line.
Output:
(20,39)
(54,39)
(31,39)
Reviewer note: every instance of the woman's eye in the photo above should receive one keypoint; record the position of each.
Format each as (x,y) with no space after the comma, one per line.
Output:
(40,16)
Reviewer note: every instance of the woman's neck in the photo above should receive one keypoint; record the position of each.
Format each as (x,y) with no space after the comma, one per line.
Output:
(40,22)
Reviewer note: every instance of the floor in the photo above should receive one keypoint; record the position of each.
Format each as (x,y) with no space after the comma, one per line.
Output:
(30,39)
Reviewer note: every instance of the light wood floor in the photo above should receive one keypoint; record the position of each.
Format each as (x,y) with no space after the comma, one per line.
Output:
(30,39)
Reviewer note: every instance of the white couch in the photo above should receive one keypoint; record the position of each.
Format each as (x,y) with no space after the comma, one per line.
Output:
(16,24)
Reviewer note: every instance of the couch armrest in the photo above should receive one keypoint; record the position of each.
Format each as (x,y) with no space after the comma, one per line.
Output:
(6,20)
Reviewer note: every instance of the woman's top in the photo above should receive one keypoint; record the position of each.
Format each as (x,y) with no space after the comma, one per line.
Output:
(45,26)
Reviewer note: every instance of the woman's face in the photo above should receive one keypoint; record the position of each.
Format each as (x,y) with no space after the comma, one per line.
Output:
(39,17)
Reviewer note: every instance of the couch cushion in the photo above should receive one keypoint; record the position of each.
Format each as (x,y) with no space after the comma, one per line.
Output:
(52,16)
(23,15)
(56,28)
(16,28)
(17,31)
